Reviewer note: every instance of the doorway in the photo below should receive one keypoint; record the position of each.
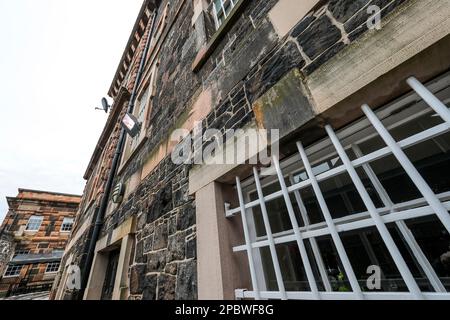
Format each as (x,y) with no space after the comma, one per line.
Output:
(110,276)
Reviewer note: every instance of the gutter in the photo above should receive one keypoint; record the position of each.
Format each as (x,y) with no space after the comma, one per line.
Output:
(109,184)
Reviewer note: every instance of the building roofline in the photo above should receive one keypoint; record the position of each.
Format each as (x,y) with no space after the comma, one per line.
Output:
(49,192)
(117,91)
(132,45)
(73,198)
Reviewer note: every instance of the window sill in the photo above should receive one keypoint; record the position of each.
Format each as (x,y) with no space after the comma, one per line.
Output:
(206,51)
(30,232)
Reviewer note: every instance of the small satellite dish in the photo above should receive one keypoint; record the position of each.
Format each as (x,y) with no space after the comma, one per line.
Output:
(105,105)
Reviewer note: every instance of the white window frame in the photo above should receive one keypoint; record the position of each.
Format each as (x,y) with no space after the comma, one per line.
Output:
(429,205)
(31,222)
(219,9)
(67,221)
(18,269)
(21,252)
(51,266)
(140,113)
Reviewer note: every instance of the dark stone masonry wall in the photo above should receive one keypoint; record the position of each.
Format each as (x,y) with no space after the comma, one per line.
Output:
(164,265)
(248,61)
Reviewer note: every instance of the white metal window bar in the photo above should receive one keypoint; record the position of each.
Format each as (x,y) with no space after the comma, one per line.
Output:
(431,204)
(312,241)
(298,235)
(247,240)
(273,251)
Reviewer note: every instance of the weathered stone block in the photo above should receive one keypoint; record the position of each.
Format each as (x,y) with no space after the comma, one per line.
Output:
(343,10)
(330,53)
(287,97)
(187,281)
(175,249)
(172,224)
(150,285)
(137,275)
(156,261)
(148,244)
(161,205)
(186,217)
(284,60)
(300,27)
(191,248)
(171,268)
(139,256)
(166,287)
(160,237)
(320,35)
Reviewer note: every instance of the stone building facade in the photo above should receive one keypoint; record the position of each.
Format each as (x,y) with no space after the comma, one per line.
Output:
(33,237)
(303,68)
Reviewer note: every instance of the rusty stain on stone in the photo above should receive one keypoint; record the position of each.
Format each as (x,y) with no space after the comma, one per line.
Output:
(259,114)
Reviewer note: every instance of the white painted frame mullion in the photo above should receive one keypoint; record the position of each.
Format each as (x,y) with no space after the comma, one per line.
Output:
(313,242)
(216,17)
(223,9)
(414,213)
(436,104)
(298,235)
(330,224)
(253,274)
(345,296)
(409,168)
(379,223)
(273,251)
(376,155)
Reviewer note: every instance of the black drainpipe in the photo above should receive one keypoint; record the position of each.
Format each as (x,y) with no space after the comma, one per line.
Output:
(119,149)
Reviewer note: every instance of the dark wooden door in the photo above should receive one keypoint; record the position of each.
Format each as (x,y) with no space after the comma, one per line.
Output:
(110,276)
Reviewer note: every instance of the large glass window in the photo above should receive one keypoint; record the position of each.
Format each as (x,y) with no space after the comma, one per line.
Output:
(13,270)
(363,212)
(67,225)
(19,252)
(34,223)
(52,267)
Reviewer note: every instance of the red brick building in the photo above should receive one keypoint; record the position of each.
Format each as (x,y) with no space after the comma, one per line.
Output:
(32,239)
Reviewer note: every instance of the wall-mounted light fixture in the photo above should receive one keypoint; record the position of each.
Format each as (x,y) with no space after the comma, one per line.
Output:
(131,125)
(118,192)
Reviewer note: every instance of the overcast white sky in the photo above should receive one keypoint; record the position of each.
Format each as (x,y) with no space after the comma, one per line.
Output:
(57,60)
